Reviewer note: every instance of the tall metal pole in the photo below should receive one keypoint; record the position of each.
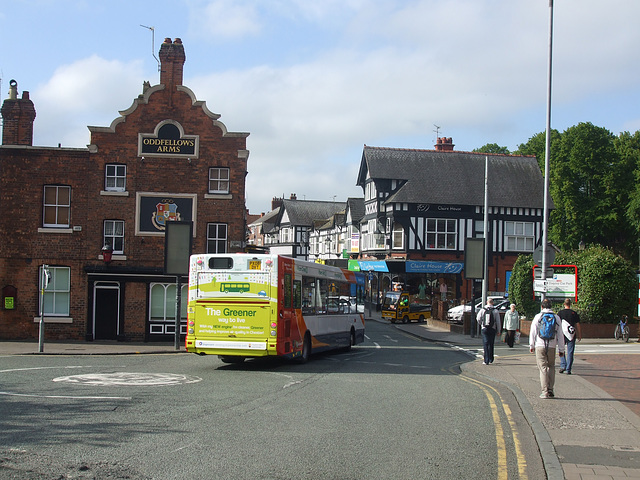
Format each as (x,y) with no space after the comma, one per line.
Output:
(547,154)
(485,276)
(485,279)
(178,319)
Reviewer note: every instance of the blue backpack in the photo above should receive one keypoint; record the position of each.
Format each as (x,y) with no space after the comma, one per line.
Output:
(547,326)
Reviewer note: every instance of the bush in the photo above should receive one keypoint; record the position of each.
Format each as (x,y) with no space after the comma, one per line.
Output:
(607,285)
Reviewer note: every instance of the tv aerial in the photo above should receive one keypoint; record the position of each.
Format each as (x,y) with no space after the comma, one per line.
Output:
(153,41)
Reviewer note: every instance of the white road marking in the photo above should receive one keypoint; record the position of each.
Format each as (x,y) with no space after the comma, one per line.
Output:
(129,379)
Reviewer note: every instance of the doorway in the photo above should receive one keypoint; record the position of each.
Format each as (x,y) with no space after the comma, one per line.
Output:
(106,311)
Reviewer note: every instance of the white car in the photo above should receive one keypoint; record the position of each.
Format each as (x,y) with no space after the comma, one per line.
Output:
(455,314)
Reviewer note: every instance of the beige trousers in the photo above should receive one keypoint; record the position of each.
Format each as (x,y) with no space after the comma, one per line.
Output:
(546,364)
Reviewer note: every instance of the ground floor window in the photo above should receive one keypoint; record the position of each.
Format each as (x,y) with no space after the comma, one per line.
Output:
(162,308)
(216,238)
(58,292)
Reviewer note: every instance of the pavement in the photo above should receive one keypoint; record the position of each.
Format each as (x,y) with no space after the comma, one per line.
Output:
(586,435)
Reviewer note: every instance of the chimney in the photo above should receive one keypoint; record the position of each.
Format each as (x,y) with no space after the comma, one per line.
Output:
(18,116)
(276,202)
(444,144)
(172,59)
(293,196)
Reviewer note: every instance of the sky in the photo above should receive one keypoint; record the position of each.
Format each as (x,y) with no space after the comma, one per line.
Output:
(313,81)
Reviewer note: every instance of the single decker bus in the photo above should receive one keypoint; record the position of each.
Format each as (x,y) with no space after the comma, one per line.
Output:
(248,305)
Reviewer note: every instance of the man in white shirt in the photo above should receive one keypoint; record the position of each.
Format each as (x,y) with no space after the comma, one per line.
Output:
(545,348)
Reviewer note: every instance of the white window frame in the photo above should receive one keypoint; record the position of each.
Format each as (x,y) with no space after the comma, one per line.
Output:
(445,232)
(519,236)
(397,242)
(57,295)
(217,239)
(113,236)
(58,205)
(218,181)
(115,178)
(162,320)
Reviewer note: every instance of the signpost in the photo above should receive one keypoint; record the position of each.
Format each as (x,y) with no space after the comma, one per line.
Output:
(44,283)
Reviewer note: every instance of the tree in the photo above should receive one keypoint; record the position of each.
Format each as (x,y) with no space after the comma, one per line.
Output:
(628,147)
(492,148)
(589,185)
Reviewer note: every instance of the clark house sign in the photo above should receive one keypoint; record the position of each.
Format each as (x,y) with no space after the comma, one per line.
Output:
(168,140)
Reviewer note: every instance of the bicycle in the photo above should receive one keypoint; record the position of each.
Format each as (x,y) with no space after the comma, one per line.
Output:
(622,329)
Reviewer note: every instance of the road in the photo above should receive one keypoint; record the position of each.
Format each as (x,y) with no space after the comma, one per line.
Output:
(394,407)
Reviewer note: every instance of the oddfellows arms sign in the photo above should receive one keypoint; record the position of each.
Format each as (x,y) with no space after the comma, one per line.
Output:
(168,139)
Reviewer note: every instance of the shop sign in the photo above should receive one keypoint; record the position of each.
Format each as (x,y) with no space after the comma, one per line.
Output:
(425,266)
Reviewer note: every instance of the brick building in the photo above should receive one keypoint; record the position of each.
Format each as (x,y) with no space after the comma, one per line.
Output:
(167,157)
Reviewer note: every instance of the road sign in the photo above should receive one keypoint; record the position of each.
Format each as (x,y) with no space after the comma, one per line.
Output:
(537,273)
(551,255)
(539,285)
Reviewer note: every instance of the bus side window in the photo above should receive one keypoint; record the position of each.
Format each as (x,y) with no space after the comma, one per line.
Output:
(287,291)
(297,294)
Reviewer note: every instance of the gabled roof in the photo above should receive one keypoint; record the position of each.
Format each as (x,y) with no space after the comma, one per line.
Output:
(304,212)
(455,178)
(356,207)
(267,221)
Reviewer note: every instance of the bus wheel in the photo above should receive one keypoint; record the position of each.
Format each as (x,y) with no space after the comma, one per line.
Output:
(405,319)
(226,359)
(306,349)
(352,341)
(421,319)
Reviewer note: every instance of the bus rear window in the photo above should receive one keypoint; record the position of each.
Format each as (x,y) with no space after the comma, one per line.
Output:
(220,263)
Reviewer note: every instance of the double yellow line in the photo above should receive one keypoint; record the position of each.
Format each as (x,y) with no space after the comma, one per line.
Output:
(492,394)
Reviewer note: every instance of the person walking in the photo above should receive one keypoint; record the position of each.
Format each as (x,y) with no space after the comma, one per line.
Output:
(544,336)
(572,331)
(489,320)
(511,324)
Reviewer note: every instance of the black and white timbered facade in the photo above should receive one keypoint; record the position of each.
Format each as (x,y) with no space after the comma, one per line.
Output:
(422,205)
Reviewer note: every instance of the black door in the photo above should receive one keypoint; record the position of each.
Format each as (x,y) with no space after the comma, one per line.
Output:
(106,313)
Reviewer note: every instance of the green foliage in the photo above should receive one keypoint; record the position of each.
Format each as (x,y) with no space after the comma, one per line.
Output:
(590,185)
(607,284)
(628,147)
(521,287)
(492,148)
(594,184)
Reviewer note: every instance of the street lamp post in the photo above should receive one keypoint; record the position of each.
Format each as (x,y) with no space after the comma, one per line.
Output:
(547,153)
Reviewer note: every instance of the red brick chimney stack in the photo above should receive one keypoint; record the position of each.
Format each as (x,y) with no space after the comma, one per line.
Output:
(17,116)
(444,144)
(172,60)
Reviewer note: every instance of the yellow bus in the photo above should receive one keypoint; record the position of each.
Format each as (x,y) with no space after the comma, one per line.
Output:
(248,305)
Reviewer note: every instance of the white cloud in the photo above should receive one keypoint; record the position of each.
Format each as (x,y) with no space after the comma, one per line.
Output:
(90,91)
(376,72)
(226,19)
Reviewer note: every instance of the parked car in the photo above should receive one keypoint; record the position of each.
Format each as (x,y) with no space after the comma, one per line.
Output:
(455,314)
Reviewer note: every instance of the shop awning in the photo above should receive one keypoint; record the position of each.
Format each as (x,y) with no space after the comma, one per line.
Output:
(426,266)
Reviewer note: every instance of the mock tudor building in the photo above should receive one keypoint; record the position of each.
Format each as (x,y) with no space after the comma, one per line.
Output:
(97,216)
(422,205)
(286,229)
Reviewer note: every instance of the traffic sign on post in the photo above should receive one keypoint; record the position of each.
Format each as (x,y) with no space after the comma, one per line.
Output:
(539,285)
(551,255)
(537,273)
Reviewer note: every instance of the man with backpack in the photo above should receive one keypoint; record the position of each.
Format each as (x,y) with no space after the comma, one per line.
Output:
(489,320)
(572,332)
(545,335)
